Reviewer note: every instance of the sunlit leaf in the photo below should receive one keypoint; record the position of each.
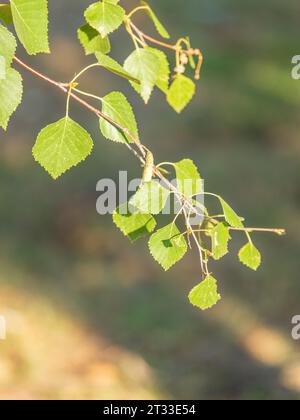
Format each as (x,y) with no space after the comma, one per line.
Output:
(230,215)
(31,24)
(62,145)
(144,65)
(8,45)
(133,224)
(188,179)
(112,65)
(104,16)
(205,295)
(11,90)
(163,75)
(181,93)
(220,237)
(116,106)
(250,256)
(150,198)
(159,26)
(92,41)
(167,246)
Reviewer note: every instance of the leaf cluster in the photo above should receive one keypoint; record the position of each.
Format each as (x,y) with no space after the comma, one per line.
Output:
(64,144)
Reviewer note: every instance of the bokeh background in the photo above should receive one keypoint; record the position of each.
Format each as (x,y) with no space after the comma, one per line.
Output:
(91,316)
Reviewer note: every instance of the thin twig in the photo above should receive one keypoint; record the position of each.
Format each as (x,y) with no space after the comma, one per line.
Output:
(279,232)
(276,231)
(65,88)
(177,47)
(153,40)
(187,206)
(190,229)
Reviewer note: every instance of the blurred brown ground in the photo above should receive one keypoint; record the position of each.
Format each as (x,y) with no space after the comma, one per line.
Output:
(91,316)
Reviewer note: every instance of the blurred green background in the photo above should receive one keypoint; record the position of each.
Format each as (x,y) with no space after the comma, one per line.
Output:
(91,316)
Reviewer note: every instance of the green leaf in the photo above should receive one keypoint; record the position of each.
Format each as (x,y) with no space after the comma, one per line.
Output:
(188,179)
(230,215)
(2,67)
(150,198)
(220,237)
(181,93)
(5,14)
(168,246)
(31,24)
(133,224)
(8,45)
(163,75)
(92,41)
(144,65)
(205,295)
(11,90)
(250,256)
(110,64)
(104,16)
(159,26)
(116,106)
(62,145)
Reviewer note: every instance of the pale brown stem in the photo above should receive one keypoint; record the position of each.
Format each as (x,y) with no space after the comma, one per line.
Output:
(279,232)
(66,89)
(276,231)
(176,47)
(153,40)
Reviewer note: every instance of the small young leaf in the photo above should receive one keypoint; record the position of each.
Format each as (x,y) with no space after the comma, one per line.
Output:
(168,246)
(188,179)
(159,26)
(116,106)
(62,145)
(250,256)
(11,90)
(220,237)
(205,295)
(181,93)
(92,41)
(144,65)
(31,24)
(8,45)
(110,64)
(133,224)
(230,215)
(104,16)
(5,14)
(163,75)
(150,198)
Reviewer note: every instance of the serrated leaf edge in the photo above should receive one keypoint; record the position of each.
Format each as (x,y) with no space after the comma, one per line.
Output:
(5,125)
